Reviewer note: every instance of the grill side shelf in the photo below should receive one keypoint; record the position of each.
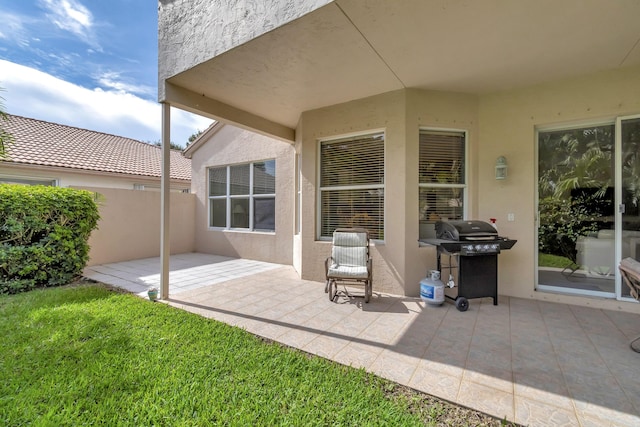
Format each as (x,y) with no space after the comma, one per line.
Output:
(507,243)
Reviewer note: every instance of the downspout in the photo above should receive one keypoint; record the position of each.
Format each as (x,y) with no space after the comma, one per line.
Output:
(165,205)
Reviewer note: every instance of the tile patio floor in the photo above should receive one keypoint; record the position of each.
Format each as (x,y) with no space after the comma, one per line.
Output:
(535,363)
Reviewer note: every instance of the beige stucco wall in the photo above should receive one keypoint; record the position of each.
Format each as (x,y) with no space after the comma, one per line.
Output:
(385,112)
(497,124)
(228,146)
(129,227)
(67,178)
(399,262)
(508,122)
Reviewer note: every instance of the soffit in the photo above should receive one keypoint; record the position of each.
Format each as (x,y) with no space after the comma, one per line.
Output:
(318,60)
(352,49)
(485,46)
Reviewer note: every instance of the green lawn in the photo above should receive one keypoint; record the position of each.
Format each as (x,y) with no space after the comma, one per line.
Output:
(87,355)
(548,260)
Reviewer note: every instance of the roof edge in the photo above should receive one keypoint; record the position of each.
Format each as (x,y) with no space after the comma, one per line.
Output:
(202,138)
(36,166)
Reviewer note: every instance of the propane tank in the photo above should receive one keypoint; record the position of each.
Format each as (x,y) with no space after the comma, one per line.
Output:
(432,288)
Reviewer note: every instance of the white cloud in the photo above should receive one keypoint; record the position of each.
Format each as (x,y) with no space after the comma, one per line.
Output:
(111,79)
(32,93)
(72,16)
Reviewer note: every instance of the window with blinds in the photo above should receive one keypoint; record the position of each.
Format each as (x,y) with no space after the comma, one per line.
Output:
(352,184)
(243,196)
(442,182)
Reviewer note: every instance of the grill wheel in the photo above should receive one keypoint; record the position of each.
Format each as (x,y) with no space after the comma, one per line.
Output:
(462,304)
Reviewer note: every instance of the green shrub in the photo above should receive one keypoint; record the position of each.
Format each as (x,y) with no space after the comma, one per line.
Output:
(44,233)
(563,221)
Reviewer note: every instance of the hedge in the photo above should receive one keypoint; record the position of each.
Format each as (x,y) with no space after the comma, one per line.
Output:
(44,233)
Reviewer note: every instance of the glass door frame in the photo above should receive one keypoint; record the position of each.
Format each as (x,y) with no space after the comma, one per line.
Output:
(619,202)
(617,172)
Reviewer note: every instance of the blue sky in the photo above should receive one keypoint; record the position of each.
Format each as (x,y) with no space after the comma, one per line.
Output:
(87,63)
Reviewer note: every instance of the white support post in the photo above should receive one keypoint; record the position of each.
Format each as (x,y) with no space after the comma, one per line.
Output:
(165,201)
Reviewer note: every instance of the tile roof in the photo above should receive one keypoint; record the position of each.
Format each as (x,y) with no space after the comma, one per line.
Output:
(37,142)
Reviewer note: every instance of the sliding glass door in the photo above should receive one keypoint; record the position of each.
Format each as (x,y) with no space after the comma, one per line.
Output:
(629,172)
(576,210)
(588,206)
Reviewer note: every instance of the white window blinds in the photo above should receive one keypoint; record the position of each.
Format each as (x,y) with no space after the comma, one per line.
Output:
(352,184)
(441,163)
(441,157)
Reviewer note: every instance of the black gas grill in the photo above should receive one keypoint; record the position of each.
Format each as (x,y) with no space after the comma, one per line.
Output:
(475,246)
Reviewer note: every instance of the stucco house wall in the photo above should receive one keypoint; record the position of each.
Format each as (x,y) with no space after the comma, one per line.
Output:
(376,113)
(229,145)
(399,261)
(498,124)
(508,122)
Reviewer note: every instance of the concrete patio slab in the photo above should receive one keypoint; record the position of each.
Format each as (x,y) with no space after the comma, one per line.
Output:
(536,363)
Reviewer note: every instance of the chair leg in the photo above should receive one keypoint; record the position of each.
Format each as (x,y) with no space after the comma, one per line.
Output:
(367,291)
(569,269)
(326,286)
(333,290)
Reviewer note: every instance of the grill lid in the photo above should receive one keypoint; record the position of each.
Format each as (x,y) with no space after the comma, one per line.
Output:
(465,230)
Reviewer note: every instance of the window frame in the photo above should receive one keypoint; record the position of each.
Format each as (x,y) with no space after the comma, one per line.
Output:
(158,188)
(251,197)
(464,186)
(28,180)
(321,189)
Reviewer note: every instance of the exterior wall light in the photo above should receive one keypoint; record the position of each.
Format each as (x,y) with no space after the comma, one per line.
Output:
(501,168)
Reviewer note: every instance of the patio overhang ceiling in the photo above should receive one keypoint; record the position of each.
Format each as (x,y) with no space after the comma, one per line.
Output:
(352,49)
